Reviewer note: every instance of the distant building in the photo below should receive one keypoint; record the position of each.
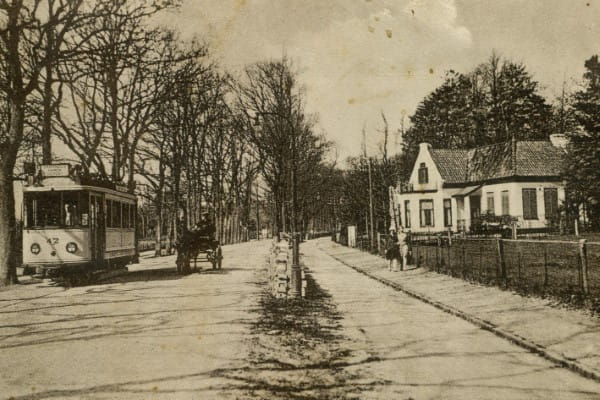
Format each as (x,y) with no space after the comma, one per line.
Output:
(451,189)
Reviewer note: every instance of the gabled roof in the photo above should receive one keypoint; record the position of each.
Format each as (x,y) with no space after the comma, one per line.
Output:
(500,160)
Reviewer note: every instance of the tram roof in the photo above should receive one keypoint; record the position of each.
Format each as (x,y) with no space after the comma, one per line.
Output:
(65,183)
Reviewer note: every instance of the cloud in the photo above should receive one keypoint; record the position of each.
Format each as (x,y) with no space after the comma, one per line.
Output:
(356,58)
(440,15)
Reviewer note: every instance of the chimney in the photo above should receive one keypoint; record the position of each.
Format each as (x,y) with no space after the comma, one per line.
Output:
(559,140)
(424,146)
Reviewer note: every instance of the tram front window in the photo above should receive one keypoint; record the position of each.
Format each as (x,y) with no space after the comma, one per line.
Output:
(56,209)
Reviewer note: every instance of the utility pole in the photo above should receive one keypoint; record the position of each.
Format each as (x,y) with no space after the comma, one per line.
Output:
(371,230)
(296,283)
(372,236)
(257,214)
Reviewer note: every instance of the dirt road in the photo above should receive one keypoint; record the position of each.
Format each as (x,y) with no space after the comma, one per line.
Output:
(155,335)
(149,335)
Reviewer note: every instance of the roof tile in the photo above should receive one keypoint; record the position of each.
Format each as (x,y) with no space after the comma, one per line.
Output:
(533,158)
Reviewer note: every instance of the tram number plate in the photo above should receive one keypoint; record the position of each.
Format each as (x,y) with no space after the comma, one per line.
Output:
(52,240)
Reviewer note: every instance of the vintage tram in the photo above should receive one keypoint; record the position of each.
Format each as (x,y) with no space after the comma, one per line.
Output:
(75,225)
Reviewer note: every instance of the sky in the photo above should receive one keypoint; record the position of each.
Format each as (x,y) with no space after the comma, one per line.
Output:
(359,58)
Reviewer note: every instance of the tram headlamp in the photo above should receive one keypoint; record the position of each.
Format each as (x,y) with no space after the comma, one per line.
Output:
(35,248)
(71,247)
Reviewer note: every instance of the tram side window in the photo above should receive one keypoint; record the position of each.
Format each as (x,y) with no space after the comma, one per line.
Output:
(125,214)
(133,215)
(109,213)
(116,214)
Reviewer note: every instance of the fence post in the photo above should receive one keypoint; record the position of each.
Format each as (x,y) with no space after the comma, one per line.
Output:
(480,260)
(418,260)
(438,250)
(584,265)
(449,262)
(501,261)
(519,265)
(462,270)
(545,266)
(378,243)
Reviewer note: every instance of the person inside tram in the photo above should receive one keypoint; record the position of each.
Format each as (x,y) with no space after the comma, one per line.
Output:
(68,214)
(71,217)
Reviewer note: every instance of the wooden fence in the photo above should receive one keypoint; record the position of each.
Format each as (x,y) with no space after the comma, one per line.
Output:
(568,269)
(540,267)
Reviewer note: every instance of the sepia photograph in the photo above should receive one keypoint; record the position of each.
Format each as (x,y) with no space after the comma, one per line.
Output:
(299,199)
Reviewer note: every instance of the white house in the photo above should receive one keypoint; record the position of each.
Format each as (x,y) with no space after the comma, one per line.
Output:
(448,189)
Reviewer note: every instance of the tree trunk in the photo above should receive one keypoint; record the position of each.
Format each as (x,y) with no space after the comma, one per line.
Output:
(8,270)
(48,95)
(159,224)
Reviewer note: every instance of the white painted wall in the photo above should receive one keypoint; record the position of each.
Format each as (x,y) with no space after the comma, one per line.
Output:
(516,200)
(515,205)
(438,210)
(435,179)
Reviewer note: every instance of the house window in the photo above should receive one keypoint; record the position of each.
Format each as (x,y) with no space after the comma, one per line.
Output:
(505,203)
(447,212)
(490,203)
(529,204)
(426,207)
(551,202)
(406,213)
(423,176)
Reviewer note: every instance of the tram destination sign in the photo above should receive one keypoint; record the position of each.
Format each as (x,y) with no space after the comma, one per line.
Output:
(55,170)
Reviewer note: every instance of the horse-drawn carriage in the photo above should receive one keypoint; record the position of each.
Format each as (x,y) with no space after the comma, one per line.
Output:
(198,247)
(207,249)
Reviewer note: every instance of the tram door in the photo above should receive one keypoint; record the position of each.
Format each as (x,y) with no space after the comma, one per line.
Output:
(97,227)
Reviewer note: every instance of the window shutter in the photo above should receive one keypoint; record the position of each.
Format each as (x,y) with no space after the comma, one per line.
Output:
(505,203)
(550,202)
(529,204)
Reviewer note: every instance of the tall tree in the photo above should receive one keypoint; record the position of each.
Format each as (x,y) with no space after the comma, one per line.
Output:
(111,85)
(271,105)
(496,101)
(23,58)
(583,162)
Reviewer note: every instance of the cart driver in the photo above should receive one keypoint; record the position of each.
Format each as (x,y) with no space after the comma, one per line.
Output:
(206,226)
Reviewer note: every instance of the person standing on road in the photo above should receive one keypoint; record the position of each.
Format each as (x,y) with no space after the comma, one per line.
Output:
(392,251)
(403,240)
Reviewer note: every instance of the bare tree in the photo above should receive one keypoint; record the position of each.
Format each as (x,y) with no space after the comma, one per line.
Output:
(271,105)
(111,86)
(22,54)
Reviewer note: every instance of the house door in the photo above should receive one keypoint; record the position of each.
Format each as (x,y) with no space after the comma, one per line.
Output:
(475,202)
(96,229)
